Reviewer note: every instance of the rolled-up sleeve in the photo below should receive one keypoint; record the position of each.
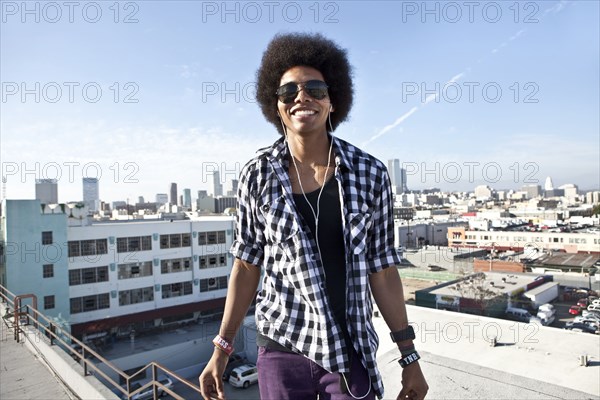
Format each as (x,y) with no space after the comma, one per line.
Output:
(382,253)
(248,242)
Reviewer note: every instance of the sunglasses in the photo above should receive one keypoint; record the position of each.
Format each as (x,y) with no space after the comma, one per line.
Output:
(314,88)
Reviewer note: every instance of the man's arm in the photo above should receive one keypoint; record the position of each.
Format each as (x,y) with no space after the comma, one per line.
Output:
(242,290)
(389,296)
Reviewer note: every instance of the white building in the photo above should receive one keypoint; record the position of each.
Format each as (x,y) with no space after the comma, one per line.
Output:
(483,192)
(114,277)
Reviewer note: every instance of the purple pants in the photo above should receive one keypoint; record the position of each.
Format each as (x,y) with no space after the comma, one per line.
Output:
(289,376)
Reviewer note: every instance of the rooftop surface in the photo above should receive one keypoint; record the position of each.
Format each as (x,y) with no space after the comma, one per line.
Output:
(493,281)
(529,357)
(529,361)
(23,374)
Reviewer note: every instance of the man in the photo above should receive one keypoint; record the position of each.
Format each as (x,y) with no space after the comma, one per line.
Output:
(315,214)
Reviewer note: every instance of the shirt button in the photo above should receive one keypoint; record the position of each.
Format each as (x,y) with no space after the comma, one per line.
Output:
(265,207)
(313,257)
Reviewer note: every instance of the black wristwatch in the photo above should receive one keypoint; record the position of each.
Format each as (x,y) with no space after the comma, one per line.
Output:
(404,334)
(409,359)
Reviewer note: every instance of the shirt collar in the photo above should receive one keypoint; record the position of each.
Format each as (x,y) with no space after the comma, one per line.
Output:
(279,151)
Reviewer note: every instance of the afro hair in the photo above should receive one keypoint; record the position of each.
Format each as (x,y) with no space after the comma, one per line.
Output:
(286,51)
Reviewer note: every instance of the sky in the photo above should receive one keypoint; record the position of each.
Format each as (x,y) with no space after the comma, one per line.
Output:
(140,94)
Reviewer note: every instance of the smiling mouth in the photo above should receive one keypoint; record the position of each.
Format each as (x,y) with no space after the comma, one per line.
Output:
(302,113)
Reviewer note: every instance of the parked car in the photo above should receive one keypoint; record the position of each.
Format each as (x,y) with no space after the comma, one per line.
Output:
(235,360)
(583,303)
(542,319)
(244,376)
(588,321)
(580,327)
(594,307)
(575,310)
(148,393)
(518,314)
(586,313)
(547,309)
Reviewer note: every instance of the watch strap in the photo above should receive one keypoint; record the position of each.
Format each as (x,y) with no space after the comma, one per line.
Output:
(404,334)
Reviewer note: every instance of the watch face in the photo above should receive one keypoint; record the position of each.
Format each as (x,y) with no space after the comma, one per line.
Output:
(405,334)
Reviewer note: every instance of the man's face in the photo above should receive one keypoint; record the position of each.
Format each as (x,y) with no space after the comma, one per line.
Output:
(305,115)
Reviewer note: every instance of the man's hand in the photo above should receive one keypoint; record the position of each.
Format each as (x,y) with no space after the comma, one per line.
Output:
(211,379)
(414,386)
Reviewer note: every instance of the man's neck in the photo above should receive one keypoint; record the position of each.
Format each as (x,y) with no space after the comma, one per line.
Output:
(310,150)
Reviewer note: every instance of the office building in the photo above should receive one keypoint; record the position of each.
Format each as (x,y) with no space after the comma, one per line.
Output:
(187,198)
(397,177)
(91,194)
(217,185)
(46,191)
(108,277)
(173,193)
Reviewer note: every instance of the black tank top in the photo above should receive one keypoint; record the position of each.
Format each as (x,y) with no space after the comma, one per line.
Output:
(331,242)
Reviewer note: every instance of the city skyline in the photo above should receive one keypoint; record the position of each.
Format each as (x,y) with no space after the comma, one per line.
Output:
(463,94)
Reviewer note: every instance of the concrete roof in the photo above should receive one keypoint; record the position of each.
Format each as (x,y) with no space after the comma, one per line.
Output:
(569,260)
(529,361)
(513,281)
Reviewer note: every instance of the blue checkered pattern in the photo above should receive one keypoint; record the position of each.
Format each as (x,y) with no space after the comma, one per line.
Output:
(292,305)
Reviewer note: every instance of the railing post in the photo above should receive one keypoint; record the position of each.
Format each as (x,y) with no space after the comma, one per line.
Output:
(52,333)
(85,366)
(154,382)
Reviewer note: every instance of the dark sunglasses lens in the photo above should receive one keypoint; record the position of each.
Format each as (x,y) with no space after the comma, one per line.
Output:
(316,89)
(288,92)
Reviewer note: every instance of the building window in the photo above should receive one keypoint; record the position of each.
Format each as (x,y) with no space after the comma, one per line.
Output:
(211,238)
(135,270)
(134,243)
(48,270)
(175,265)
(221,236)
(135,296)
(201,238)
(176,289)
(217,283)
(213,261)
(48,302)
(175,240)
(47,237)
(121,245)
(88,247)
(88,275)
(74,249)
(90,303)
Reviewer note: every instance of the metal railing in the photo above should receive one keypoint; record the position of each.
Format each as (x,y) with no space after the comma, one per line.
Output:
(26,315)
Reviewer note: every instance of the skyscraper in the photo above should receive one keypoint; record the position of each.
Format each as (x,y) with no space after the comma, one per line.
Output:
(548,185)
(91,194)
(187,198)
(217,186)
(46,191)
(397,176)
(174,193)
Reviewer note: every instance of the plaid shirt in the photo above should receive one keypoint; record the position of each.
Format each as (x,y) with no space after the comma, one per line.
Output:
(292,306)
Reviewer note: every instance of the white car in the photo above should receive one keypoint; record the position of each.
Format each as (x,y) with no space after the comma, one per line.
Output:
(547,309)
(588,321)
(244,376)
